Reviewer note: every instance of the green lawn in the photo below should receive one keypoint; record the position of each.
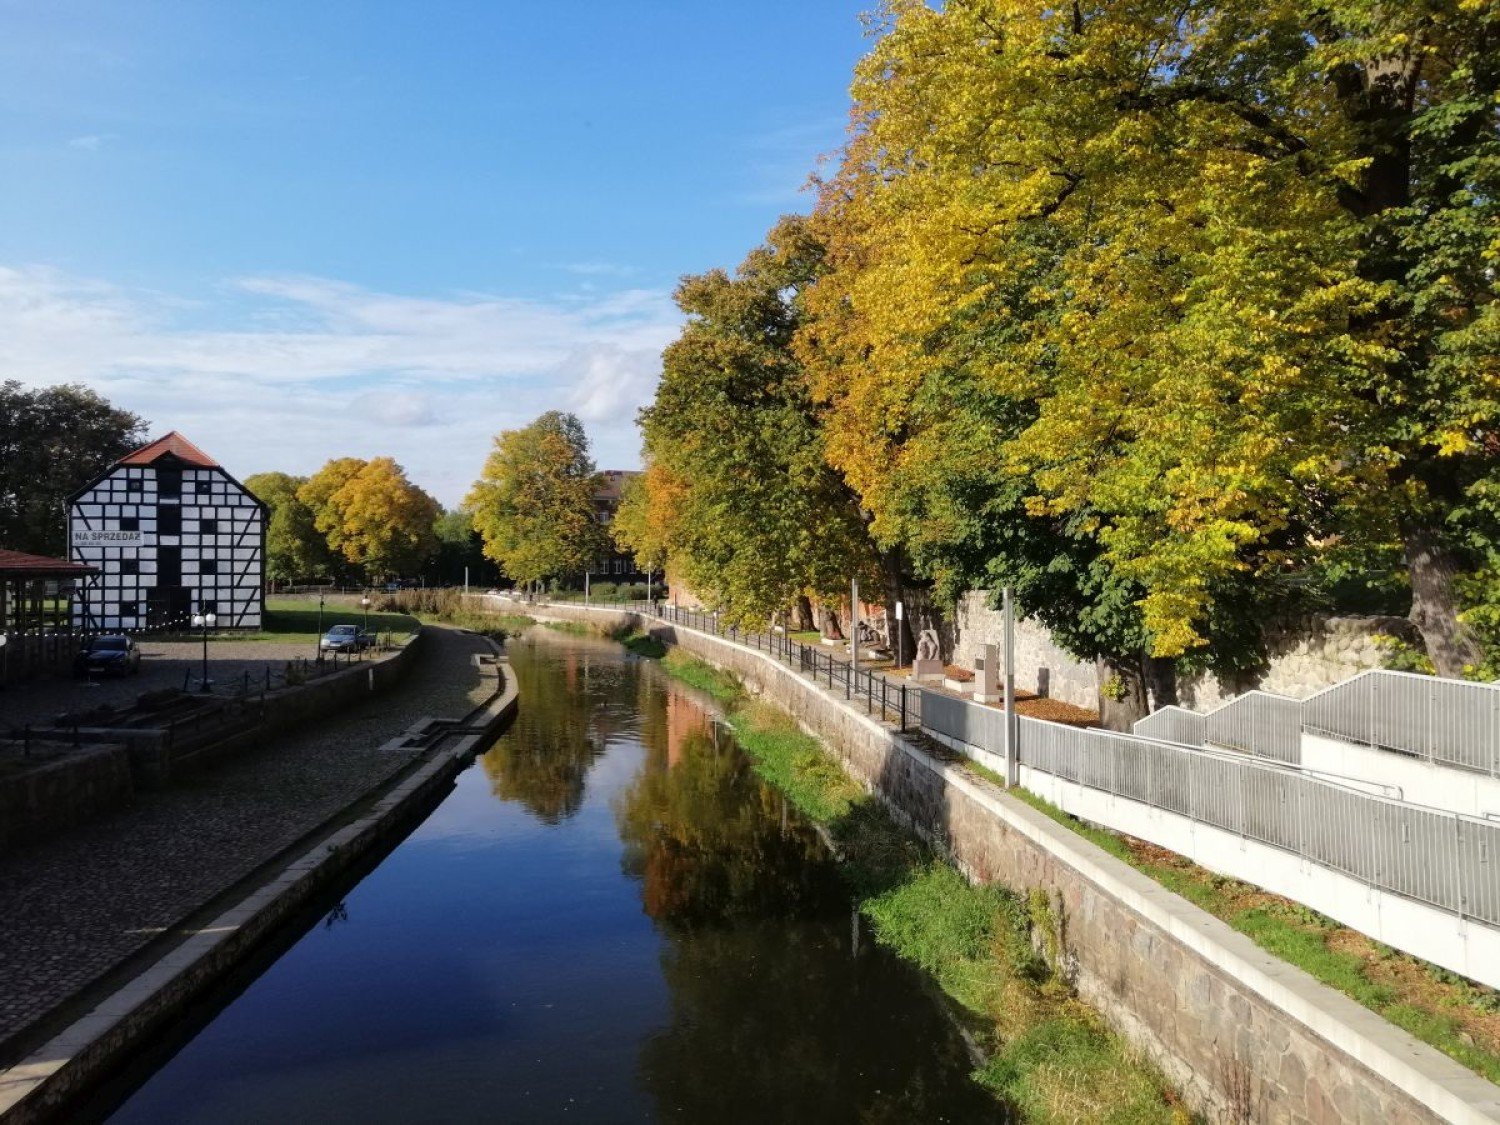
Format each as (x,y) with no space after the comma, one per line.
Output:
(294,620)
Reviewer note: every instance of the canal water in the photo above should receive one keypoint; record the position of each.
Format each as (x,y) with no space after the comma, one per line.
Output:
(610,918)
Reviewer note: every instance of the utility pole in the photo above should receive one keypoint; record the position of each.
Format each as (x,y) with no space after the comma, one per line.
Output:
(853,627)
(1012,727)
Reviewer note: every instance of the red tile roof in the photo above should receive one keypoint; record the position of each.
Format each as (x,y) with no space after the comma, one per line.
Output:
(173,443)
(18,564)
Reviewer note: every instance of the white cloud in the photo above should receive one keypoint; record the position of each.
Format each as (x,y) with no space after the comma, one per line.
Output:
(90,142)
(294,370)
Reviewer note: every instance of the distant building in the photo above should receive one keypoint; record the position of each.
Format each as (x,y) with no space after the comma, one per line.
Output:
(172,534)
(617,566)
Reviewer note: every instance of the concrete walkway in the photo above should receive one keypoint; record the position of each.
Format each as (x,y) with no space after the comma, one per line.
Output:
(82,905)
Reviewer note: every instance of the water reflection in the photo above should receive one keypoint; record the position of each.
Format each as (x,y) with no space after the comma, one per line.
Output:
(637,929)
(779,1012)
(562,729)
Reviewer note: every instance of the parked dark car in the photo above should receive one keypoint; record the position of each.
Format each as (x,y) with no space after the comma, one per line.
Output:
(107,655)
(345,638)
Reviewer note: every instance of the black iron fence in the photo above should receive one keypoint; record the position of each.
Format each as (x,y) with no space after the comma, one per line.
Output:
(893,701)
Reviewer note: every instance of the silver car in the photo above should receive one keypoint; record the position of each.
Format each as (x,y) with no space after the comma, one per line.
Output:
(344,638)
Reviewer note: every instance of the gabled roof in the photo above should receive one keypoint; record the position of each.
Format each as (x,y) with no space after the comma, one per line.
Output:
(173,444)
(18,564)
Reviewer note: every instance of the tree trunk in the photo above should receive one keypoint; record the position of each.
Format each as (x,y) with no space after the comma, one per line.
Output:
(903,640)
(831,628)
(1122,693)
(802,615)
(1161,682)
(1431,566)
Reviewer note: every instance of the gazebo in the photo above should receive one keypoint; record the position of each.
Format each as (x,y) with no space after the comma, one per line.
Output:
(35,627)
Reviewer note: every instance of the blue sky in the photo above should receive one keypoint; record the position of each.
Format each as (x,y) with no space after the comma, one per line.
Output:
(304,230)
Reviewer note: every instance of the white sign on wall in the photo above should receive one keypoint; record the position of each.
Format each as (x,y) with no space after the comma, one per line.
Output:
(88,537)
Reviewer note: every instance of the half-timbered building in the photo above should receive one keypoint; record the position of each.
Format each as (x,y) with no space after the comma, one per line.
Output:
(172,534)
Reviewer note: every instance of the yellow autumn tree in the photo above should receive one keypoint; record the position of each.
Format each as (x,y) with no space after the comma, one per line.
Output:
(373,516)
(1221,271)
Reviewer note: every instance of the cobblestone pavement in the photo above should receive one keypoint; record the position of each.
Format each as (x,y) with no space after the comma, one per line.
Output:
(164,664)
(76,906)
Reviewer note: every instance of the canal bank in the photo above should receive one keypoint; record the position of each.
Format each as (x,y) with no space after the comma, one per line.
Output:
(1243,1035)
(41,1085)
(610,918)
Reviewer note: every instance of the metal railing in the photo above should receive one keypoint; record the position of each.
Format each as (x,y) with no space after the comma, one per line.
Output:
(1449,722)
(1444,859)
(1269,726)
(1453,722)
(896,703)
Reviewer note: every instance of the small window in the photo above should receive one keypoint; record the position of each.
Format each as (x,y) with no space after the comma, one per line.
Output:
(134,484)
(208,566)
(169,521)
(129,523)
(130,566)
(201,487)
(208,607)
(169,481)
(208,527)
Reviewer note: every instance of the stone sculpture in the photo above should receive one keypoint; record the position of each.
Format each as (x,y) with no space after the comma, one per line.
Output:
(928,665)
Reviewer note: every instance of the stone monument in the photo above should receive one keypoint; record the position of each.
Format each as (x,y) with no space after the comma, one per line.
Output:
(987,675)
(928,665)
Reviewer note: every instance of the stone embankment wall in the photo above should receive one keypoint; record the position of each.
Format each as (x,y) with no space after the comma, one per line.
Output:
(1301,659)
(1243,1035)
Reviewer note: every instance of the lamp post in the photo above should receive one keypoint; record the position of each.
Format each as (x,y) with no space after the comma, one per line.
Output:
(365,605)
(205,621)
(319,640)
(4,660)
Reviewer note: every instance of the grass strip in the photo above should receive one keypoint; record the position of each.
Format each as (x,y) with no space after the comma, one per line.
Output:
(1048,1055)
(1457,1016)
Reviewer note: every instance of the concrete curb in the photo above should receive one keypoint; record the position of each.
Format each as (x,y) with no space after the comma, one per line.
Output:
(1449,1091)
(40,1087)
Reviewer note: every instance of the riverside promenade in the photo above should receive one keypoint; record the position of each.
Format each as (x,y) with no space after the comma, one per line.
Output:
(87,908)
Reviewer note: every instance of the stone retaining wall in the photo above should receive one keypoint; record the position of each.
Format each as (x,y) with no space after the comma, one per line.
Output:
(60,794)
(1302,657)
(1243,1035)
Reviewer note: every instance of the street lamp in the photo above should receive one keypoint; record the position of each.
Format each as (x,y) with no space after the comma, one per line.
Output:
(319,640)
(365,602)
(205,621)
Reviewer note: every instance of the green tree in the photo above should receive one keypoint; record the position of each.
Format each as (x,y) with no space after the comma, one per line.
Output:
(295,549)
(372,515)
(736,451)
(460,552)
(534,504)
(53,441)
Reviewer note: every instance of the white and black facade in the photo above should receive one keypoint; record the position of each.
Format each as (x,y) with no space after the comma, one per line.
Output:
(172,534)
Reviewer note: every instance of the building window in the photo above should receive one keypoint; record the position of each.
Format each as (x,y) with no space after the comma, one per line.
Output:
(169,521)
(208,607)
(130,566)
(129,523)
(208,566)
(208,527)
(169,482)
(134,484)
(201,487)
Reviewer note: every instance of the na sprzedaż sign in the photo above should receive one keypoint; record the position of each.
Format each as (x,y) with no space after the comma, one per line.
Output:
(87,537)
